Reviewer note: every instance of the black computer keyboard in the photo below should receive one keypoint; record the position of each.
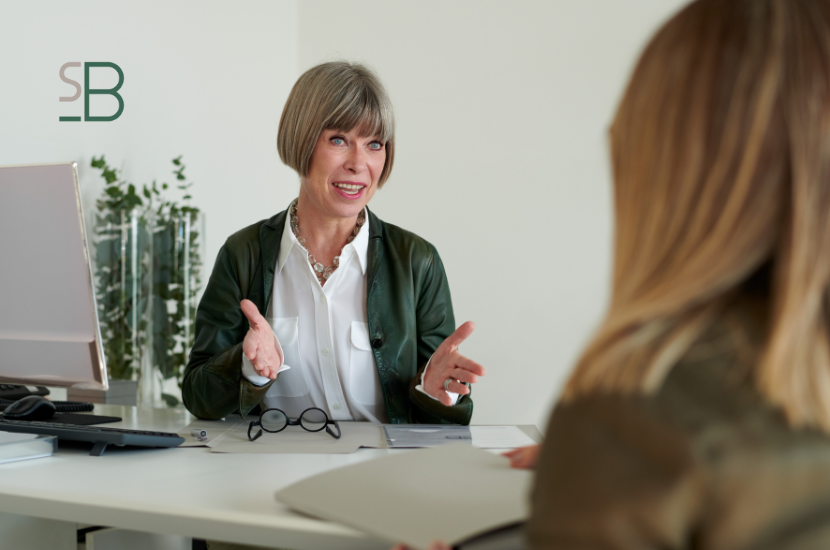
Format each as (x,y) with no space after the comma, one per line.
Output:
(13,392)
(100,436)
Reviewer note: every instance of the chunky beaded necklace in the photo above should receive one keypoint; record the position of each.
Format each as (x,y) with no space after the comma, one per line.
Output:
(323,272)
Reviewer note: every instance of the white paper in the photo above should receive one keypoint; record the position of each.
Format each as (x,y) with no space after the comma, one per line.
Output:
(410,436)
(216,430)
(296,440)
(19,446)
(499,437)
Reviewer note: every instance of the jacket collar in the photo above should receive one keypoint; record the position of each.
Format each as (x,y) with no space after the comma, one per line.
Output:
(270,234)
(375,251)
(375,225)
(360,244)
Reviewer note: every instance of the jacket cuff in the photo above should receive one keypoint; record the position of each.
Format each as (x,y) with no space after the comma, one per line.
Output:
(420,386)
(250,394)
(428,410)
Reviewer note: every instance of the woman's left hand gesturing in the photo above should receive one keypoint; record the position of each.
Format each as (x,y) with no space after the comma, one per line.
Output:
(447,362)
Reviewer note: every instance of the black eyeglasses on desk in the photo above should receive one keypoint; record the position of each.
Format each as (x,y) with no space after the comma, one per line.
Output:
(312,420)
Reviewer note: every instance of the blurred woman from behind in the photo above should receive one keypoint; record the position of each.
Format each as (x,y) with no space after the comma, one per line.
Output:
(698,416)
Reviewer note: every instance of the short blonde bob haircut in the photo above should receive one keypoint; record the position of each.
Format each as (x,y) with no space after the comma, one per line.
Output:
(721,160)
(335,96)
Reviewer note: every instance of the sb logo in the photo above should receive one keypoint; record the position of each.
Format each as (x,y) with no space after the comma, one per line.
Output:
(92,91)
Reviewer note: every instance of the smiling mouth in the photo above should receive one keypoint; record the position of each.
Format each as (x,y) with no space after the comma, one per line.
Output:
(349,188)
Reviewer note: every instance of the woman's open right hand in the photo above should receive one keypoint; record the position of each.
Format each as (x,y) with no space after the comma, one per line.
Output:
(261,346)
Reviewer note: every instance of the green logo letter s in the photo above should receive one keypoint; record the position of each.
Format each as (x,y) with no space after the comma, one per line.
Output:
(110,91)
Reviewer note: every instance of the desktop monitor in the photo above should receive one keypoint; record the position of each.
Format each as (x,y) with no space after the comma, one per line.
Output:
(49,331)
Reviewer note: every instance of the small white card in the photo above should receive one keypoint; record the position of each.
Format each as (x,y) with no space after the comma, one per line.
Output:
(410,436)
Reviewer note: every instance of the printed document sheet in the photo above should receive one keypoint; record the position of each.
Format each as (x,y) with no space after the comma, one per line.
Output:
(295,440)
(230,435)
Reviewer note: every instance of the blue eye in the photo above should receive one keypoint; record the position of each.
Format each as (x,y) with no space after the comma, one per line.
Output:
(337,141)
(376,146)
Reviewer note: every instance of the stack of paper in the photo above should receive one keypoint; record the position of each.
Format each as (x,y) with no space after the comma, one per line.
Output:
(17,446)
(230,435)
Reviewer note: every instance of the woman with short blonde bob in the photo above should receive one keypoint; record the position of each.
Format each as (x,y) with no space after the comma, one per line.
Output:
(698,417)
(324,312)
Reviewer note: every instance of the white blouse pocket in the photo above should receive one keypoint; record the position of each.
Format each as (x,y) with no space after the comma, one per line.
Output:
(364,382)
(292,382)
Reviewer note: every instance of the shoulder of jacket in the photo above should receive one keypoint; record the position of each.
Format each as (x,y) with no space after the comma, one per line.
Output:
(246,241)
(245,238)
(407,241)
(248,237)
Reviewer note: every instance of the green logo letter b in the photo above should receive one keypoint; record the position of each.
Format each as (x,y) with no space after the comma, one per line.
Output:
(110,91)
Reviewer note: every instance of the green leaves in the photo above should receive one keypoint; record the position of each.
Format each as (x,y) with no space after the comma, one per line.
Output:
(162,274)
(109,175)
(121,195)
(170,400)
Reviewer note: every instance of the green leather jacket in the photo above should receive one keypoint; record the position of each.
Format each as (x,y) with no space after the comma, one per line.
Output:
(409,313)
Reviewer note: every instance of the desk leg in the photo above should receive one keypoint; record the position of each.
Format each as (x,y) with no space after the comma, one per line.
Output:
(28,533)
(124,539)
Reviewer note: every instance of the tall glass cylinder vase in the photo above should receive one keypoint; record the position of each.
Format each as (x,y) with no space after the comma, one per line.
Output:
(178,240)
(124,275)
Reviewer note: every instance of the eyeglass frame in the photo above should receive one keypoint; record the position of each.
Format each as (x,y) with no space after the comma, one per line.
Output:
(298,422)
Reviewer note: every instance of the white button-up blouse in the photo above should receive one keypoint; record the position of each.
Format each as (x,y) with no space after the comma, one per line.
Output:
(323,334)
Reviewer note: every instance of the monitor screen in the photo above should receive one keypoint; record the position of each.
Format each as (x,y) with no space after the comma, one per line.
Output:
(49,331)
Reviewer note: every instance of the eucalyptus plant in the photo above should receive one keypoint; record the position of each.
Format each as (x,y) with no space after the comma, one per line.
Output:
(119,271)
(171,277)
(176,279)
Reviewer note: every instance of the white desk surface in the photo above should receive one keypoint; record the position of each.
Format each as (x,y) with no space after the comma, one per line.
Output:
(181,491)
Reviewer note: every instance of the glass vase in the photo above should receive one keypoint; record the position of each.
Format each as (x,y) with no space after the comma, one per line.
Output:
(178,241)
(123,276)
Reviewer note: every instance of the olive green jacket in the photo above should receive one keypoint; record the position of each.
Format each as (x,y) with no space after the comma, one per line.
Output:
(705,463)
(409,313)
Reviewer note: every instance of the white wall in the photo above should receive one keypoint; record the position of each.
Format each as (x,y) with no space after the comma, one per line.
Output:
(502,110)
(205,79)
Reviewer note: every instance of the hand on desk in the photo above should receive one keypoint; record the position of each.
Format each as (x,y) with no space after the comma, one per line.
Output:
(261,346)
(446,363)
(436,545)
(524,458)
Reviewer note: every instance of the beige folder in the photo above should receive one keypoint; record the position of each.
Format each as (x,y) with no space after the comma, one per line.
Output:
(451,493)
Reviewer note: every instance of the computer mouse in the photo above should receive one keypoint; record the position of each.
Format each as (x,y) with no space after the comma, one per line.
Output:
(33,407)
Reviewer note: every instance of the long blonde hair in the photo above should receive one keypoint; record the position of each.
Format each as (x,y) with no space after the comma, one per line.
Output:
(721,164)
